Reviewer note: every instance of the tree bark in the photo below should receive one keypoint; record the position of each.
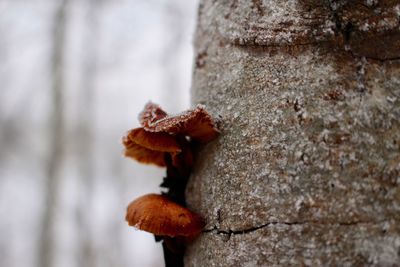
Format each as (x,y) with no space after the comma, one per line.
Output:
(307,168)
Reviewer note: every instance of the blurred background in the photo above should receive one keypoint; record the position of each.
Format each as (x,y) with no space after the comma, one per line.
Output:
(74,74)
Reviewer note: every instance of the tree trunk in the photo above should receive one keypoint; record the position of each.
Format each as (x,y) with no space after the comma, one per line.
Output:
(86,254)
(56,143)
(307,168)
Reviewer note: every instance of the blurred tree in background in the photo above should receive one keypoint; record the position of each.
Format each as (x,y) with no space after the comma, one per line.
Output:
(74,75)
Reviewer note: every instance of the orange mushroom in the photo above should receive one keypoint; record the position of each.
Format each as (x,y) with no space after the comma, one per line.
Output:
(148,147)
(163,140)
(154,141)
(195,123)
(162,134)
(144,155)
(158,215)
(151,113)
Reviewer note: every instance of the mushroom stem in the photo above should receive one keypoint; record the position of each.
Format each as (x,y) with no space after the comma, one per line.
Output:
(171,258)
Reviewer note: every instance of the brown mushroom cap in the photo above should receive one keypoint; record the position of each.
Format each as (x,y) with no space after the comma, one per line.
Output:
(158,215)
(151,113)
(196,123)
(143,155)
(154,141)
(148,147)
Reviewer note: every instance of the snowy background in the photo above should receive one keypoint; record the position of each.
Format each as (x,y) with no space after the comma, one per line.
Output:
(106,59)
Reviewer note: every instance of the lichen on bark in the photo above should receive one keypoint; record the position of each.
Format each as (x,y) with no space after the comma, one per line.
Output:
(307,168)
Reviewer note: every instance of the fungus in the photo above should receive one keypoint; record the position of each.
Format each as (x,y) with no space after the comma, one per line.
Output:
(195,123)
(167,141)
(143,155)
(148,147)
(158,215)
(151,113)
(154,141)
(162,134)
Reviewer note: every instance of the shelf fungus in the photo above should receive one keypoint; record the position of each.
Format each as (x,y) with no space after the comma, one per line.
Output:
(168,141)
(159,215)
(162,134)
(195,123)
(148,147)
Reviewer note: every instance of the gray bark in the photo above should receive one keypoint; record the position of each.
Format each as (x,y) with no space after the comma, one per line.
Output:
(306,170)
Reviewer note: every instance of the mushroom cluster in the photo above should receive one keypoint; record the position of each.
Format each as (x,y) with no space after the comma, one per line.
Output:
(168,141)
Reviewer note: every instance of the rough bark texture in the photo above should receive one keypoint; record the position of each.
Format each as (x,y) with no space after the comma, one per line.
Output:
(307,168)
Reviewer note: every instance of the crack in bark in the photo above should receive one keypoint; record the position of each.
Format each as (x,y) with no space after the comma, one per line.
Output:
(230,232)
(344,50)
(236,232)
(381,60)
(252,45)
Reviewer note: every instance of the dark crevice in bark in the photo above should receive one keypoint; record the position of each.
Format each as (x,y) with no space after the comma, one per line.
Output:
(236,232)
(347,32)
(256,228)
(348,50)
(344,30)
(336,19)
(252,45)
(381,60)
